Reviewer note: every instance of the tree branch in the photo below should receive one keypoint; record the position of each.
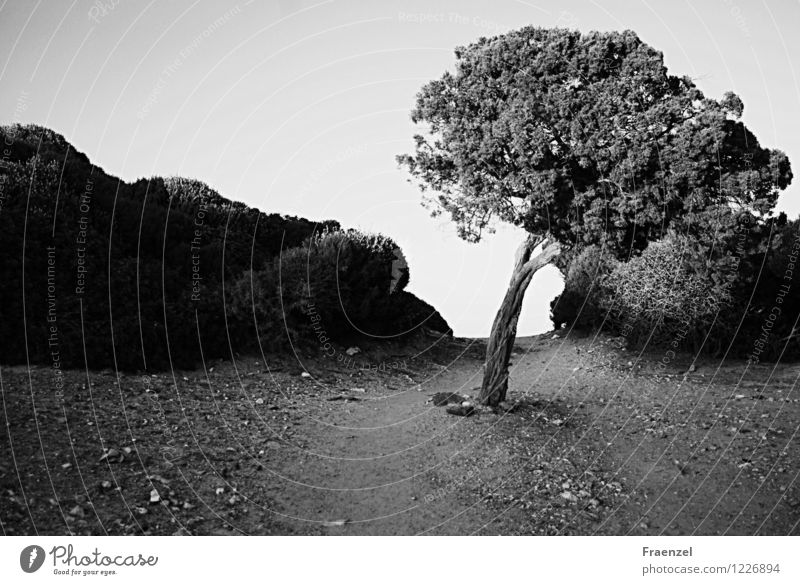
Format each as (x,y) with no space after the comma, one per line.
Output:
(550,249)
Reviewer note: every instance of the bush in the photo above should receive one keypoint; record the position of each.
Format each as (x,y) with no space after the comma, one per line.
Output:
(131,250)
(767,297)
(736,293)
(669,292)
(254,305)
(351,282)
(347,277)
(159,273)
(580,304)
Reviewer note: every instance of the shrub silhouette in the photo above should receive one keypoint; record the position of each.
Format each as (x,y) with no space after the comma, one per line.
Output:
(346,278)
(580,304)
(163,273)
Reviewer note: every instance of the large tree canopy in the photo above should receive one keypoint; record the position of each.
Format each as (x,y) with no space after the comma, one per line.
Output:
(587,138)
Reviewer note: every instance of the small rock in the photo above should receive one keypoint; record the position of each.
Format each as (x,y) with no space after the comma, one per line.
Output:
(331,523)
(506,406)
(460,409)
(360,390)
(305,375)
(344,397)
(159,479)
(259,401)
(445,398)
(154,497)
(353,350)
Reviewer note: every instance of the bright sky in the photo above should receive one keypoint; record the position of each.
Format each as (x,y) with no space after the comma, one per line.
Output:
(299,107)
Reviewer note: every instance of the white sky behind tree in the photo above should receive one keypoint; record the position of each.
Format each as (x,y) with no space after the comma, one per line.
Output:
(299,107)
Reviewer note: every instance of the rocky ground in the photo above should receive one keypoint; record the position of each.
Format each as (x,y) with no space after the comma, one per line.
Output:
(601,441)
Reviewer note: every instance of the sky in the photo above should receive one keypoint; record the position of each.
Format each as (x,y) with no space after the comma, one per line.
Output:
(300,107)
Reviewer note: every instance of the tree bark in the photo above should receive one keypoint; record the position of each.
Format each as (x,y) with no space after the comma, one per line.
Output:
(504,328)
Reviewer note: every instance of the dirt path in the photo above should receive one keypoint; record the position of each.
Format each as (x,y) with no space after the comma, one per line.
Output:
(311,446)
(704,450)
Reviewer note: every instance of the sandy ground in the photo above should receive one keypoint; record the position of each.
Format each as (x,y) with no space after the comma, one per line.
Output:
(602,442)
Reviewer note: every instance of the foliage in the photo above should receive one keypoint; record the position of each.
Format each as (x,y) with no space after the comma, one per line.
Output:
(580,304)
(666,292)
(163,273)
(762,324)
(585,137)
(120,260)
(738,296)
(338,282)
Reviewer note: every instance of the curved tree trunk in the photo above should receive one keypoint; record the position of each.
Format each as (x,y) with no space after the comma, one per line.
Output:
(504,328)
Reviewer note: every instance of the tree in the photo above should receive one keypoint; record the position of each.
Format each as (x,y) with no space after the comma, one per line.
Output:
(581,139)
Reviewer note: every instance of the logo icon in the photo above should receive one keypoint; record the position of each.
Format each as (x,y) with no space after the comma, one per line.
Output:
(31,558)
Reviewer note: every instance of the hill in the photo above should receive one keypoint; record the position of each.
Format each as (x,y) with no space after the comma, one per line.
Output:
(101,272)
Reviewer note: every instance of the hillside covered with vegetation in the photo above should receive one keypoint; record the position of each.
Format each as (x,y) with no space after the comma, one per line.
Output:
(166,272)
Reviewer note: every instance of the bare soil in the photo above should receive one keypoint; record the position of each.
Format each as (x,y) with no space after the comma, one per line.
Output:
(603,441)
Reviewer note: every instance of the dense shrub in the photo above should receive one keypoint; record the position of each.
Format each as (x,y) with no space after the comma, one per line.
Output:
(345,283)
(350,279)
(253,302)
(580,304)
(670,291)
(763,325)
(733,290)
(129,274)
(166,272)
(171,272)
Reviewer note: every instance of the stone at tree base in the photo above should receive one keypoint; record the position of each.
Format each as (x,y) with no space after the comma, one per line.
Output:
(507,406)
(463,409)
(445,398)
